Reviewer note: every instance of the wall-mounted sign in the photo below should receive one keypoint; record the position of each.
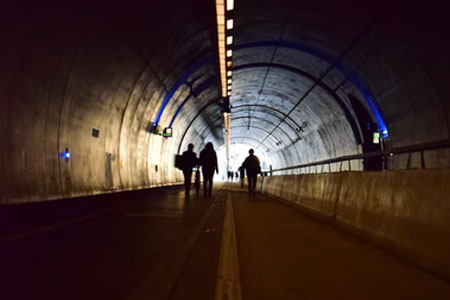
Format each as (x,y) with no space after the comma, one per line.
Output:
(167,132)
(95,132)
(376,137)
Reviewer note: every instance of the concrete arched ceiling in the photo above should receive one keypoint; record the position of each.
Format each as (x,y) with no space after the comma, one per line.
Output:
(305,58)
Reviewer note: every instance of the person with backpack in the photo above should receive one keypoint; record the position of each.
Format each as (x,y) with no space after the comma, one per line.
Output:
(189,161)
(252,168)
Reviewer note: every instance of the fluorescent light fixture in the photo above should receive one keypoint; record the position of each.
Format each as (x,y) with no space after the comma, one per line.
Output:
(229,53)
(229,63)
(230,5)
(229,87)
(229,40)
(230,24)
(229,73)
(229,93)
(229,81)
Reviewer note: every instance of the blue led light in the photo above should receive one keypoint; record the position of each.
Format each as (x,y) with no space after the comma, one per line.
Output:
(194,68)
(65,154)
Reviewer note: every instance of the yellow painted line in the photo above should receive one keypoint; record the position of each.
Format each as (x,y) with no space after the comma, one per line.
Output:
(228,285)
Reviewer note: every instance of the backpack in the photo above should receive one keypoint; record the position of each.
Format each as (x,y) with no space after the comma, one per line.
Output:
(179,161)
(252,164)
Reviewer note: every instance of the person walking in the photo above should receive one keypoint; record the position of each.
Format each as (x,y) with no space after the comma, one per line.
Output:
(208,159)
(197,180)
(252,167)
(242,175)
(189,161)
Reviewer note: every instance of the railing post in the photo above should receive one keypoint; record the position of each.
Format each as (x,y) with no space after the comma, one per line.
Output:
(422,158)
(349,165)
(408,164)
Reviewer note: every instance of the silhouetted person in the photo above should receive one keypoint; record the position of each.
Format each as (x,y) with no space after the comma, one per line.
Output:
(197,181)
(232,176)
(208,160)
(242,175)
(252,167)
(189,161)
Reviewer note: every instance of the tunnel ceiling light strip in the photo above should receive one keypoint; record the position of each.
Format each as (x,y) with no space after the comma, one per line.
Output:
(225,42)
(225,24)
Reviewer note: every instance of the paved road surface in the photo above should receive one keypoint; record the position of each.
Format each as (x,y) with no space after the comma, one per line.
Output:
(155,244)
(149,244)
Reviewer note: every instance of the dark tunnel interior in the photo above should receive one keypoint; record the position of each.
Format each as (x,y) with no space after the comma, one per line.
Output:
(344,102)
(311,80)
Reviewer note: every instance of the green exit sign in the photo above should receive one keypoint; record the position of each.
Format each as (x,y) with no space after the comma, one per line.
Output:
(376,137)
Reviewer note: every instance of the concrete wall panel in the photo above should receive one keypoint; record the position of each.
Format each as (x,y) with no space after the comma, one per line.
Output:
(408,212)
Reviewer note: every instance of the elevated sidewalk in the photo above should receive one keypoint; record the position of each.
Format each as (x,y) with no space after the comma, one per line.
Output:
(284,254)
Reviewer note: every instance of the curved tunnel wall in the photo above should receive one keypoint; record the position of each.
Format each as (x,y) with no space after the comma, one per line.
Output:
(73,67)
(69,69)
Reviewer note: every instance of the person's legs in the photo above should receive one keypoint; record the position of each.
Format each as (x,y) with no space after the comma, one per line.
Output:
(187,181)
(197,184)
(254,184)
(205,184)
(249,183)
(210,185)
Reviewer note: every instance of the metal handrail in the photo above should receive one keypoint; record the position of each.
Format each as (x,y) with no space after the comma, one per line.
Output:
(384,153)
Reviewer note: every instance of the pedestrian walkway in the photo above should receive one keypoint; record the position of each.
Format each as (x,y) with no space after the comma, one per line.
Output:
(284,254)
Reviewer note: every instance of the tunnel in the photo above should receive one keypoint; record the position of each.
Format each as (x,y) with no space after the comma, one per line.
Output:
(344,102)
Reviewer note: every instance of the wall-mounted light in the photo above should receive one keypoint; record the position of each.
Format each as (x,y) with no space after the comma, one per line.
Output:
(167,132)
(66,155)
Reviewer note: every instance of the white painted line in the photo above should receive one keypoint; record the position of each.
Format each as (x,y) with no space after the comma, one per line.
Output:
(42,229)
